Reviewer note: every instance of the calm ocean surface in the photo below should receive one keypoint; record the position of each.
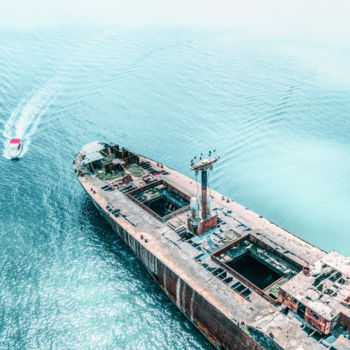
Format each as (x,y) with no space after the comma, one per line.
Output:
(277,112)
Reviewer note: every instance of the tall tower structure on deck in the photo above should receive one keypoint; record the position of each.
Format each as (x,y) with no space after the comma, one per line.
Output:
(207,219)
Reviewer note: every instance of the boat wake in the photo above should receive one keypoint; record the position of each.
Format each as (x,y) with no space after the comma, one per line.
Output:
(25,118)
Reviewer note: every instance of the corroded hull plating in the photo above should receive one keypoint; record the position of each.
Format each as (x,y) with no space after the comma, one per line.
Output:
(244,282)
(216,327)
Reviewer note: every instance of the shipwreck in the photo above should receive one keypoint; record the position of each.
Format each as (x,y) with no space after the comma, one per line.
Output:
(243,281)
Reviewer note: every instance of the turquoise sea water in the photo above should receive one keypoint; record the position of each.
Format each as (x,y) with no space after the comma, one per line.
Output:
(277,112)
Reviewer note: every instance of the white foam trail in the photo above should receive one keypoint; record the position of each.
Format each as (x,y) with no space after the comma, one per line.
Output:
(25,118)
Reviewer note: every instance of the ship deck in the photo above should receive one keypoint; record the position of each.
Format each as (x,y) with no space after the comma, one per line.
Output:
(206,262)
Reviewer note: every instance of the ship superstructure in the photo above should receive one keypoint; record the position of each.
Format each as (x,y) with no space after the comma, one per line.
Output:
(243,281)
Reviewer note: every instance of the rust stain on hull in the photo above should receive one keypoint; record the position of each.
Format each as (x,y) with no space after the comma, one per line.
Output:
(197,261)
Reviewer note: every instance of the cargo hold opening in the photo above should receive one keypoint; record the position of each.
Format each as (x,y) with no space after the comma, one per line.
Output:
(255,271)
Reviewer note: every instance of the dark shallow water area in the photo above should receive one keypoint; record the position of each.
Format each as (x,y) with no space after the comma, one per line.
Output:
(278,114)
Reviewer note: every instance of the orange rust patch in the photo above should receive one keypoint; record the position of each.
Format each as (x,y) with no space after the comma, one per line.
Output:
(205,330)
(241,299)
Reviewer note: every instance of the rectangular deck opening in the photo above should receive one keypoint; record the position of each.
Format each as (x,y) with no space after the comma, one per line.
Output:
(257,265)
(160,199)
(165,201)
(255,271)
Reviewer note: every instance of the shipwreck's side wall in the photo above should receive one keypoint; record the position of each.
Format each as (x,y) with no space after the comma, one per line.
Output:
(310,316)
(222,332)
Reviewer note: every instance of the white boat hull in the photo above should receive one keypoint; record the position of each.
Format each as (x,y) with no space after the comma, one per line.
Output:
(15,154)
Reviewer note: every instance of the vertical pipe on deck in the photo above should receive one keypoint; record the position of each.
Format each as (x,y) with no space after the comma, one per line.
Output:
(204,194)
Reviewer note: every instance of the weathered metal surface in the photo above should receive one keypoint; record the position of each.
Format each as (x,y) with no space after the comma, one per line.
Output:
(221,331)
(230,312)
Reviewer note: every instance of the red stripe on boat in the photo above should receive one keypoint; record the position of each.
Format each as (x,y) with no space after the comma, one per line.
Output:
(15,141)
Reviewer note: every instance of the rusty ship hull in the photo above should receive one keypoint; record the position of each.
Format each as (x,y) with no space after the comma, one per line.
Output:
(203,270)
(213,324)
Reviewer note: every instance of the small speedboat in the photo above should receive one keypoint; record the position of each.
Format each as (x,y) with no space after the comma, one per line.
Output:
(15,148)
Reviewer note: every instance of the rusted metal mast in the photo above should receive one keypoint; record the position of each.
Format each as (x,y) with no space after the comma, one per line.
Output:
(203,166)
(204,194)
